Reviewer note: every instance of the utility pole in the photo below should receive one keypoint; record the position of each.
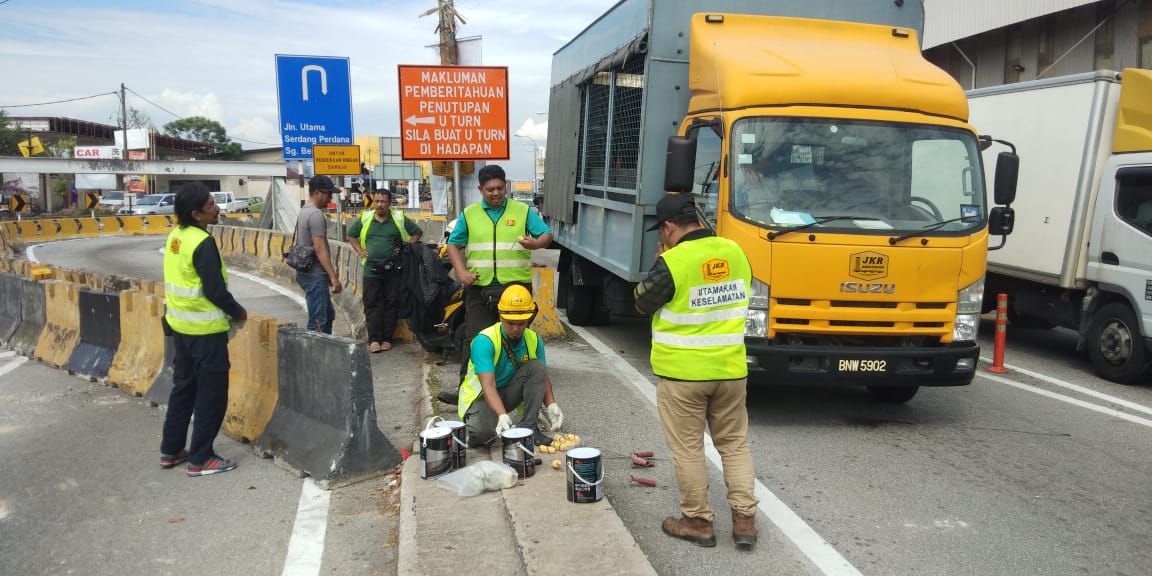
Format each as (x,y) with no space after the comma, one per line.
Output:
(124,122)
(449,56)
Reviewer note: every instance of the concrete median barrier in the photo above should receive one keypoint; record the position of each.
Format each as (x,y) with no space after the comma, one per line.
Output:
(253,385)
(324,424)
(140,356)
(61,331)
(11,304)
(131,224)
(547,323)
(110,225)
(27,231)
(99,334)
(32,318)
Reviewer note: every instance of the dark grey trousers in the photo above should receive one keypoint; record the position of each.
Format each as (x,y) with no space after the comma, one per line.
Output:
(526,386)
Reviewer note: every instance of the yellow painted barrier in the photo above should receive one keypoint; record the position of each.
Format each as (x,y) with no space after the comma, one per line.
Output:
(88,227)
(131,224)
(249,236)
(27,231)
(61,331)
(158,224)
(254,380)
(67,227)
(547,323)
(140,357)
(110,225)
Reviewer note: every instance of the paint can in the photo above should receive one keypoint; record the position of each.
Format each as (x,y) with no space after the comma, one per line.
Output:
(585,475)
(459,453)
(518,451)
(435,452)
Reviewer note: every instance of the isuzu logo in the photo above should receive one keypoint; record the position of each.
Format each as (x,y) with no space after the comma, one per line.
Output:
(868,287)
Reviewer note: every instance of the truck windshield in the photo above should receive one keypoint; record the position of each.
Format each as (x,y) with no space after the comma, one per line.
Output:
(875,177)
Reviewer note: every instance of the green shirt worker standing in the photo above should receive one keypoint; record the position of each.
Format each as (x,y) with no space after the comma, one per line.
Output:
(377,237)
(507,370)
(697,294)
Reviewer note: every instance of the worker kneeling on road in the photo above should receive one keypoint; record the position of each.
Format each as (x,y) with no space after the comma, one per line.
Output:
(506,369)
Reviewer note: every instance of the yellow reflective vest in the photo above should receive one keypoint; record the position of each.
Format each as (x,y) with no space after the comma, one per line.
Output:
(186,309)
(470,389)
(494,251)
(366,219)
(698,335)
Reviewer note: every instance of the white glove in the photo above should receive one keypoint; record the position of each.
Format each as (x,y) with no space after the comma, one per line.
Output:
(504,423)
(555,417)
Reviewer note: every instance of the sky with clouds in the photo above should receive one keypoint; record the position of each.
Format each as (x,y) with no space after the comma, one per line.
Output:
(216,58)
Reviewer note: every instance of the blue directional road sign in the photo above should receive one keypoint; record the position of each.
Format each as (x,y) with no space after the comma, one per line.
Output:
(315,95)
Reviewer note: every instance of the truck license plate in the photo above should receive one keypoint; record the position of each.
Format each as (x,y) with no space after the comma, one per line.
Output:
(857,365)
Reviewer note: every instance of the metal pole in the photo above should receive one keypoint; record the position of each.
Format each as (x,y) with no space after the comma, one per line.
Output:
(456,193)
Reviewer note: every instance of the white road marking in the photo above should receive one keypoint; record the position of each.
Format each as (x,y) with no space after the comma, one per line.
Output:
(285,292)
(1070,400)
(822,554)
(14,364)
(1075,388)
(306,547)
(8,354)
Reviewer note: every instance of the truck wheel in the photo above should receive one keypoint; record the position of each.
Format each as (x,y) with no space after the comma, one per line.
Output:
(892,394)
(583,303)
(1116,346)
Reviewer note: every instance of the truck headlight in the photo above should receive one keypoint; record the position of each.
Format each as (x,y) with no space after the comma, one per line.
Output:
(968,303)
(756,325)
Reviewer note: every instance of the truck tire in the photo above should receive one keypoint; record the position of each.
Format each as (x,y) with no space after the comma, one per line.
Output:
(1116,346)
(892,394)
(583,305)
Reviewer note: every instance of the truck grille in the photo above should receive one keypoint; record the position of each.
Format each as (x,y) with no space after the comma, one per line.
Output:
(790,316)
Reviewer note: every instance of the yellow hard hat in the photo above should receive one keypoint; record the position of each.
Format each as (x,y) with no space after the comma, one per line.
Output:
(516,304)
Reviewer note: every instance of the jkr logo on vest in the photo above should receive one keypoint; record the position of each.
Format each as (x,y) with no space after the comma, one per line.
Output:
(715,269)
(717,294)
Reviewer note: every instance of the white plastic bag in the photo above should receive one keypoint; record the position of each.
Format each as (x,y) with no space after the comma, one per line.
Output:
(482,476)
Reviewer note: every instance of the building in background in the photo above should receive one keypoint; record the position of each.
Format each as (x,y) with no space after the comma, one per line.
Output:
(992,42)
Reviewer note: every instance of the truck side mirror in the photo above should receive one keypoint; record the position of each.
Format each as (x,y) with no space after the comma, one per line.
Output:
(679,165)
(1001,221)
(1007,172)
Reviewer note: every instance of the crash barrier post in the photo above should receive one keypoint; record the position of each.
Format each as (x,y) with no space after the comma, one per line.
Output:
(61,331)
(140,356)
(547,323)
(1001,334)
(100,331)
(11,304)
(324,424)
(33,317)
(254,378)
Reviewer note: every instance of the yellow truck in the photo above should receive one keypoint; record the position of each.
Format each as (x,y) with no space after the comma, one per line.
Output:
(816,136)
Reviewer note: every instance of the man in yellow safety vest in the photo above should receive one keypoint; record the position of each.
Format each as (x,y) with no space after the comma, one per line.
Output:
(507,369)
(377,237)
(490,249)
(697,294)
(198,308)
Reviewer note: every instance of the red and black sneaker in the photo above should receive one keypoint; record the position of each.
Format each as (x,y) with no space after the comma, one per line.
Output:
(171,460)
(214,465)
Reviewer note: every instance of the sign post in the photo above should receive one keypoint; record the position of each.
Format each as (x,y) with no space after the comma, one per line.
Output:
(315,101)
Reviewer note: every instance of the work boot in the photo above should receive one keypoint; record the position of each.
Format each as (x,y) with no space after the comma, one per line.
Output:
(695,530)
(744,530)
(449,396)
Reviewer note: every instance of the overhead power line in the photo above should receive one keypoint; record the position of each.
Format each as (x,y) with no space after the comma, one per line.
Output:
(179,117)
(58,101)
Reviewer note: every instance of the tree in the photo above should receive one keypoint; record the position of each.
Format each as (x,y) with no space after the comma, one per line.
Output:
(10,136)
(202,129)
(138,119)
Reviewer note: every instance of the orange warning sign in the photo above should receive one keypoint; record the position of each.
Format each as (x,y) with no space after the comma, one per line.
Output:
(454,112)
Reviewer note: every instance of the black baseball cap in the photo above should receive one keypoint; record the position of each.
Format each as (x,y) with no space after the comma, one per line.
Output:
(322,183)
(673,206)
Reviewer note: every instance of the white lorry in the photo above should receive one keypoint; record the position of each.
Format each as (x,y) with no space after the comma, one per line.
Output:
(1081,251)
(229,203)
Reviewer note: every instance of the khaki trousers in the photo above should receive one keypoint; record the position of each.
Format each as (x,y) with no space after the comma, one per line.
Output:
(685,408)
